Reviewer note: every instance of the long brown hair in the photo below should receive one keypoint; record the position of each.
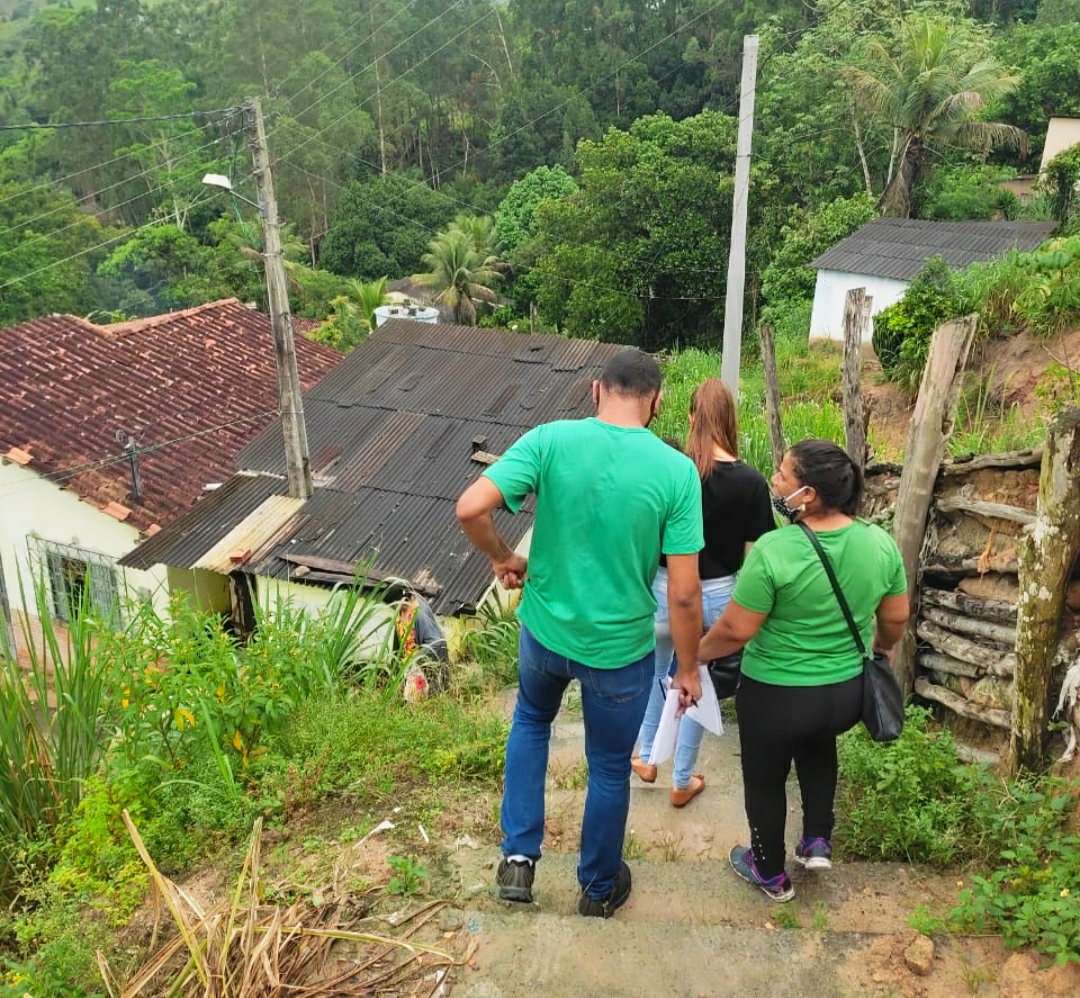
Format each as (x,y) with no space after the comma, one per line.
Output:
(713,410)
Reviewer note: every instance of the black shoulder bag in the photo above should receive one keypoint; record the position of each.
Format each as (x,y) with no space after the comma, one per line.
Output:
(883,702)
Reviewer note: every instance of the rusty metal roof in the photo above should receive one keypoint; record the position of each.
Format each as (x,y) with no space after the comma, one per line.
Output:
(391,432)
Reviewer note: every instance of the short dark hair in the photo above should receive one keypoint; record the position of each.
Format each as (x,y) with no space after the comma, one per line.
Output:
(631,372)
(827,469)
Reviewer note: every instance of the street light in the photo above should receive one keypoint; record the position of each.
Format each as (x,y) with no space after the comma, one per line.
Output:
(291,405)
(220,180)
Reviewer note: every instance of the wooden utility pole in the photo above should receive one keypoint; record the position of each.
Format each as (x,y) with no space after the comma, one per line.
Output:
(1048,551)
(736,276)
(856,316)
(931,424)
(297,459)
(772,394)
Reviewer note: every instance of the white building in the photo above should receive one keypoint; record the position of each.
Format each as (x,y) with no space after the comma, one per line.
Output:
(109,432)
(886,254)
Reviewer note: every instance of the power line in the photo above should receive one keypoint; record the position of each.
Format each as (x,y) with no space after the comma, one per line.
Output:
(116,121)
(66,474)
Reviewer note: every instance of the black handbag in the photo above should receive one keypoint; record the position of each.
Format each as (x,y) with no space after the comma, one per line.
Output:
(725,674)
(883,701)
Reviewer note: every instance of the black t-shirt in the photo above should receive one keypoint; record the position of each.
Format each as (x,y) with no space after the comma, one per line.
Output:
(736,509)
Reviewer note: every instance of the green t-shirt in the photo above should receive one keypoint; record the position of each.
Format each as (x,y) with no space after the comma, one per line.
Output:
(804,640)
(609,501)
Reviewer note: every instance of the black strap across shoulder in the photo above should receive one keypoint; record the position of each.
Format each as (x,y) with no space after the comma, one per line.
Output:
(836,588)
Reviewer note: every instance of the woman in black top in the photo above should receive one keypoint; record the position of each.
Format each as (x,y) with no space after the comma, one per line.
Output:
(736,512)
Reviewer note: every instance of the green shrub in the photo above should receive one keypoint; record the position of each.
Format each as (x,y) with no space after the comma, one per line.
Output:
(914,801)
(902,332)
(962,193)
(1060,182)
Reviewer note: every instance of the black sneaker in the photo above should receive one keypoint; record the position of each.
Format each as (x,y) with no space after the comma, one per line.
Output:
(615,898)
(515,880)
(814,854)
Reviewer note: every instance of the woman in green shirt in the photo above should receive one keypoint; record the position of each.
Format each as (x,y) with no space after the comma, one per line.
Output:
(802,674)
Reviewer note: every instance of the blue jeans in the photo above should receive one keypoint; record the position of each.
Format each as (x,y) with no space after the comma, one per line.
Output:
(613,702)
(715,595)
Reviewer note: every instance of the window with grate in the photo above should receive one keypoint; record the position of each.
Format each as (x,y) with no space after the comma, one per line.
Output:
(79,579)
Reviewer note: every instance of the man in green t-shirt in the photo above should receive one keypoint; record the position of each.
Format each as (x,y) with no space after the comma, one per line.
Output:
(611,497)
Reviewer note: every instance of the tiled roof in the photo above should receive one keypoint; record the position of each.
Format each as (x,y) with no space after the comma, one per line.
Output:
(191,387)
(898,247)
(392,431)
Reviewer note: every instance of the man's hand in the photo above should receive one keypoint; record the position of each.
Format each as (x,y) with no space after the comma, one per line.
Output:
(689,686)
(510,571)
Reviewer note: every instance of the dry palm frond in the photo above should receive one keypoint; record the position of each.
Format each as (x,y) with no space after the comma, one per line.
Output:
(256,950)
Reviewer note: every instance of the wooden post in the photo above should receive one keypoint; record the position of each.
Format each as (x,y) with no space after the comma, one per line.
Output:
(931,424)
(856,315)
(772,394)
(1047,553)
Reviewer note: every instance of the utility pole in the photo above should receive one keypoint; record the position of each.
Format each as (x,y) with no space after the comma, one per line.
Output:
(736,277)
(290,402)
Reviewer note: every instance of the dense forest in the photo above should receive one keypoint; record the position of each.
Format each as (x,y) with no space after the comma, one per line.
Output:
(567,158)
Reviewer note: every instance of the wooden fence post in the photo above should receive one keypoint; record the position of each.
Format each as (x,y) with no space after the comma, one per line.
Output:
(931,424)
(772,394)
(856,317)
(1047,553)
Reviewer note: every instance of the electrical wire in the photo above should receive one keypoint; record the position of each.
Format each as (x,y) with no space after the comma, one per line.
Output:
(114,121)
(66,474)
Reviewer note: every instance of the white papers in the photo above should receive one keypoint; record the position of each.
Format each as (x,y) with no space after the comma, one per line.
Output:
(706,712)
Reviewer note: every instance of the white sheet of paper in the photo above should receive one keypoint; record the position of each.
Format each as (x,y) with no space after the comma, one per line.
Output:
(707,710)
(663,746)
(706,713)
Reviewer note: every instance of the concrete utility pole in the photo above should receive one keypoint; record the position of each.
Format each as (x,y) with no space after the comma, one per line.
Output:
(736,276)
(297,459)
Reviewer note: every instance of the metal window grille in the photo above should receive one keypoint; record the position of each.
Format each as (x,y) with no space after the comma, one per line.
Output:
(79,580)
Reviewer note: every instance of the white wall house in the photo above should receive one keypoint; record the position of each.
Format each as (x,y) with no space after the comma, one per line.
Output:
(830,293)
(50,537)
(885,255)
(109,432)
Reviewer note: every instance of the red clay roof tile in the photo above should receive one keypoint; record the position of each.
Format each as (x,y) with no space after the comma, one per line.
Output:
(192,387)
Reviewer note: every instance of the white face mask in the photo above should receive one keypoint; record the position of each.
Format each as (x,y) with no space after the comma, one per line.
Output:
(783,505)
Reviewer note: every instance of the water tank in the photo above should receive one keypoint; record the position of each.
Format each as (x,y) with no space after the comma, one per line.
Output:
(414,313)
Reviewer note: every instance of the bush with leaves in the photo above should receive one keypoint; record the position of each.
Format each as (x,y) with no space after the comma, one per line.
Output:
(1060,181)
(902,332)
(962,193)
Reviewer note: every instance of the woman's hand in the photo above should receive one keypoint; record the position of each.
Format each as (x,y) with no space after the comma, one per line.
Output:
(736,626)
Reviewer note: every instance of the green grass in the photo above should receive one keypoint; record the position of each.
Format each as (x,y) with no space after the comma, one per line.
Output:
(809,376)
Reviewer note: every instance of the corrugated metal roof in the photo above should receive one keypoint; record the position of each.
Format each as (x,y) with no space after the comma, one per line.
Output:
(193,533)
(392,431)
(897,248)
(257,530)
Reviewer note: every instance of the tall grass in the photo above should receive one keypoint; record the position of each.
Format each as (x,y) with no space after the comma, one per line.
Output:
(52,730)
(809,376)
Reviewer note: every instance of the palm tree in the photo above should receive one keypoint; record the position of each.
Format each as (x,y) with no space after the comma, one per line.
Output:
(459,273)
(364,297)
(930,95)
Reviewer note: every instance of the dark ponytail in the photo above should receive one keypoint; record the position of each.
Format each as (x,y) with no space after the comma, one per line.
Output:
(826,467)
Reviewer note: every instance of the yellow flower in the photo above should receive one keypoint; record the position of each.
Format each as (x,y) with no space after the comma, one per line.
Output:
(1065,892)
(221,693)
(184,718)
(959,883)
(238,742)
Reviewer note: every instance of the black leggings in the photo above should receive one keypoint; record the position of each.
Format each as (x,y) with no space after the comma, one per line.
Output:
(778,724)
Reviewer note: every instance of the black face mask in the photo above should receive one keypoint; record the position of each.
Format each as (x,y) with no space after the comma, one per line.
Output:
(780,504)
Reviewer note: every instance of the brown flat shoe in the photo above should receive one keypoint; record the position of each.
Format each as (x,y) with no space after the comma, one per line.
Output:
(645,772)
(680,798)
